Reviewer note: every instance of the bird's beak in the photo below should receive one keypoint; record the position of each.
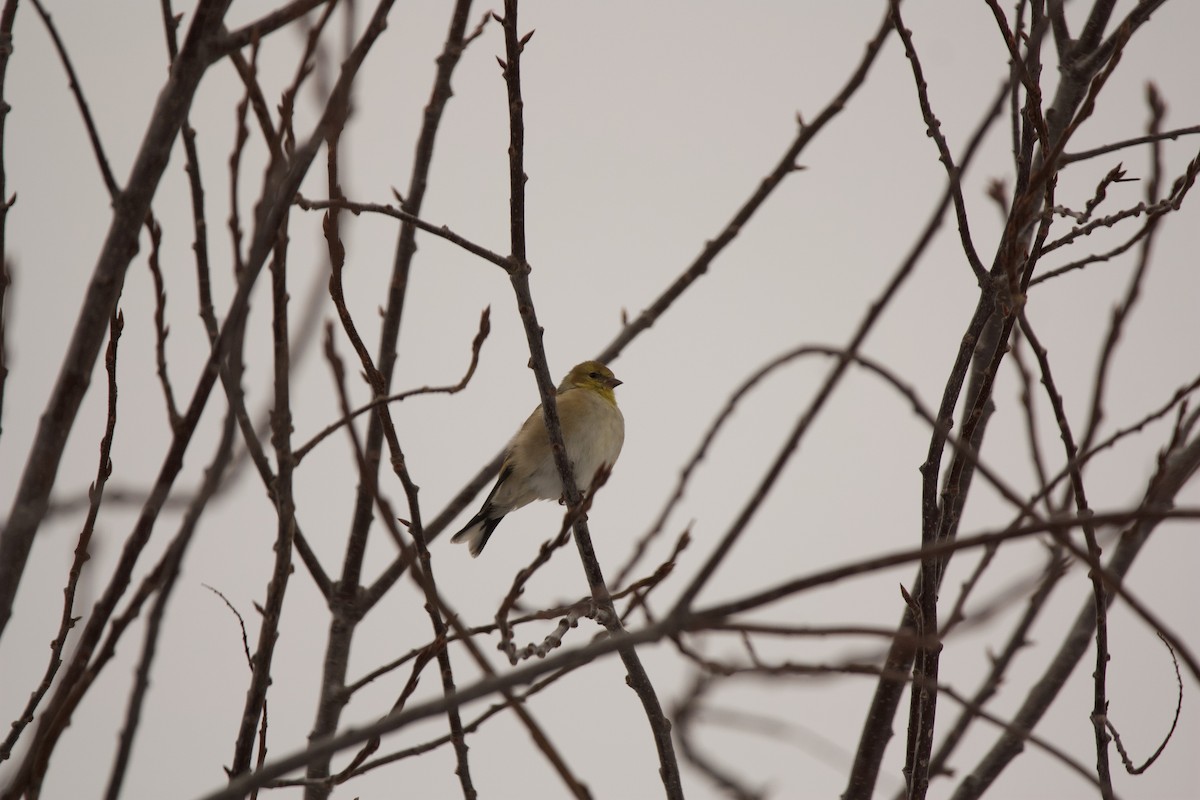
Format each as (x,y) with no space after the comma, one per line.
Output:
(613,382)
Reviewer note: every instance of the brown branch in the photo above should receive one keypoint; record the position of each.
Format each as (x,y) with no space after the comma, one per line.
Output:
(241,623)
(204,291)
(424,576)
(110,183)
(82,556)
(786,166)
(485,327)
(424,658)
(981,351)
(421,749)
(1108,221)
(398,213)
(962,449)
(285,510)
(1000,662)
(925,613)
(161,329)
(525,573)
(453,508)
(1100,706)
(933,128)
(1024,76)
(1129,767)
(1121,313)
(1069,158)
(845,358)
(1027,405)
(1174,201)
(230,369)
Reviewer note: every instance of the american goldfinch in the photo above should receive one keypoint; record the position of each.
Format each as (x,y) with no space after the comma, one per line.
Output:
(593,431)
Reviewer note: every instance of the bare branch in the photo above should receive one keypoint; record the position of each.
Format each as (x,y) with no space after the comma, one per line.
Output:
(95,496)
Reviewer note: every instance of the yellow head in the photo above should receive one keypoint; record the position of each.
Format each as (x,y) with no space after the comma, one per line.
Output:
(593,376)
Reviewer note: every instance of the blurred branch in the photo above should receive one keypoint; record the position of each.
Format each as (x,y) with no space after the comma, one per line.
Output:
(1083,510)
(685,713)
(1176,467)
(255,31)
(163,580)
(130,208)
(7,17)
(110,182)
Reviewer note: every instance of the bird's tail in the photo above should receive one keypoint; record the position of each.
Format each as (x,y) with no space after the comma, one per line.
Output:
(478,531)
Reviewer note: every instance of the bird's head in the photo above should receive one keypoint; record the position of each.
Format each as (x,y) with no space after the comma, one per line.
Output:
(594,376)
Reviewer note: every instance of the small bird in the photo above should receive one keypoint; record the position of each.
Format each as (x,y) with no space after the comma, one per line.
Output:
(593,431)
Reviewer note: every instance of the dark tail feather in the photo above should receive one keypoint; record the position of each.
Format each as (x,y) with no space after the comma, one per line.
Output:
(478,530)
(482,524)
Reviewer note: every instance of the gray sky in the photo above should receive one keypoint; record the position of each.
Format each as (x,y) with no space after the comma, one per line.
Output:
(648,126)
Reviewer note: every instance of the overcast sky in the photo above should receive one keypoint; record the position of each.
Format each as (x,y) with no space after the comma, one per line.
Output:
(648,125)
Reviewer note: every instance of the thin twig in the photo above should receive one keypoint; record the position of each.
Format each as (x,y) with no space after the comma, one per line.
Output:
(398,213)
(254,708)
(82,556)
(1125,759)
(1100,705)
(1068,158)
(933,129)
(481,335)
